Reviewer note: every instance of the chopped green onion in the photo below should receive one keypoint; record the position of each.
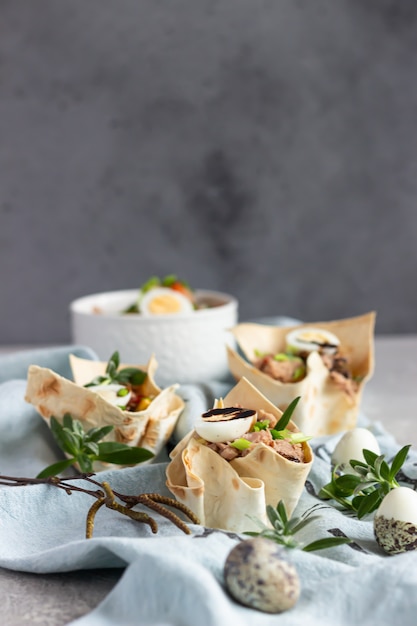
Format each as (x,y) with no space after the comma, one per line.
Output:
(241,444)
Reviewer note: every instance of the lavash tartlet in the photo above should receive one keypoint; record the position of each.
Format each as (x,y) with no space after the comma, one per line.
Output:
(149,427)
(228,494)
(330,377)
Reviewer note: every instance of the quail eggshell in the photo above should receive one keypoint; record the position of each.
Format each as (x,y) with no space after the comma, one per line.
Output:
(395,521)
(258,575)
(350,447)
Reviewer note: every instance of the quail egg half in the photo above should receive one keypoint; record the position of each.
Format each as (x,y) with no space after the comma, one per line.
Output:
(164,301)
(225,424)
(351,446)
(395,521)
(258,574)
(311,339)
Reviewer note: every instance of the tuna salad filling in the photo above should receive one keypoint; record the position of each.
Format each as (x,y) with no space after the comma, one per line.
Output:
(289,368)
(285,442)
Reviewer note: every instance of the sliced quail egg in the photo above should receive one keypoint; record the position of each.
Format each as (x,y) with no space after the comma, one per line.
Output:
(225,424)
(258,574)
(395,521)
(164,301)
(118,395)
(351,445)
(311,339)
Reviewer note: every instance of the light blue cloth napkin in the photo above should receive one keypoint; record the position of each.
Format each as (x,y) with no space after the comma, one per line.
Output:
(174,579)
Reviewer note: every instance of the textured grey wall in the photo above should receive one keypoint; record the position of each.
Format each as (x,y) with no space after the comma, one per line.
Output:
(266,148)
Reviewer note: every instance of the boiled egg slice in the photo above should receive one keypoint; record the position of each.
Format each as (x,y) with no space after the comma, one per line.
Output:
(164,301)
(118,395)
(225,424)
(311,339)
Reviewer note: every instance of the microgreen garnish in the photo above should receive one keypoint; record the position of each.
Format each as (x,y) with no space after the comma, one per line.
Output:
(83,448)
(241,444)
(286,416)
(261,425)
(280,431)
(363,490)
(283,529)
(127,375)
(289,436)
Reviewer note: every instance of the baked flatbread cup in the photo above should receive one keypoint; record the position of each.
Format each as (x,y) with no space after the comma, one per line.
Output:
(325,407)
(53,395)
(226,494)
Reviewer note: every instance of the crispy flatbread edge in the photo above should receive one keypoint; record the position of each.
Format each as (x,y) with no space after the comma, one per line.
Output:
(53,395)
(221,493)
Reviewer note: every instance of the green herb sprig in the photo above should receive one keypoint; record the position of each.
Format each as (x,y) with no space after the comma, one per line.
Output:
(280,431)
(124,376)
(283,529)
(83,448)
(363,490)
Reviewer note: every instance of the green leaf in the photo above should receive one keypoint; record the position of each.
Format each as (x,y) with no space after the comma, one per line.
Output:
(358,464)
(55,468)
(113,364)
(154,281)
(169,280)
(398,461)
(71,442)
(95,434)
(369,456)
(77,429)
(129,456)
(67,421)
(282,512)
(85,462)
(91,447)
(58,432)
(286,416)
(347,483)
(108,447)
(369,503)
(327,542)
(274,517)
(296,524)
(327,492)
(384,470)
(132,375)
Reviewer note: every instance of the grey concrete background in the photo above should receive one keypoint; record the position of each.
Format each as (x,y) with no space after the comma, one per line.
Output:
(266,148)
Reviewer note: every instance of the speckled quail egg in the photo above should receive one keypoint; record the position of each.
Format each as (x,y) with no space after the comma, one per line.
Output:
(118,395)
(257,574)
(350,447)
(225,424)
(164,301)
(395,521)
(311,339)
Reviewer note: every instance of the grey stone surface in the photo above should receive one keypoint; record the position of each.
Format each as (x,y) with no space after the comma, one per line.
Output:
(52,599)
(266,148)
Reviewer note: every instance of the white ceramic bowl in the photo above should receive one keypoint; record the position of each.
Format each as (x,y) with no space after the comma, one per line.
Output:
(188,349)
